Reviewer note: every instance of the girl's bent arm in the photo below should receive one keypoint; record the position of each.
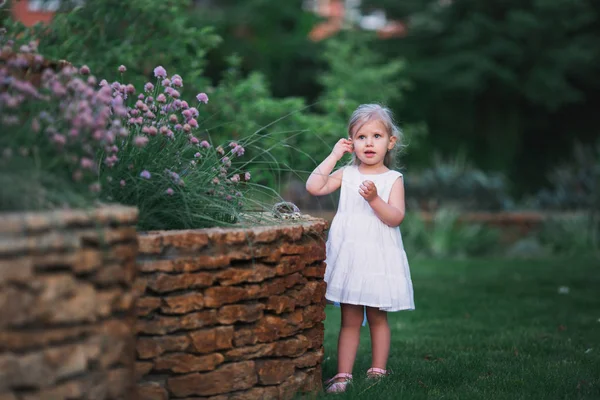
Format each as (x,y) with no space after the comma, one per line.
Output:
(321,181)
(391,213)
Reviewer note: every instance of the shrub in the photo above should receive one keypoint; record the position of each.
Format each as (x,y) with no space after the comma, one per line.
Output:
(86,140)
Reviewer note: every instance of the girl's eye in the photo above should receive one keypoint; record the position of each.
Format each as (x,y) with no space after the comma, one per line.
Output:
(377,136)
(361,137)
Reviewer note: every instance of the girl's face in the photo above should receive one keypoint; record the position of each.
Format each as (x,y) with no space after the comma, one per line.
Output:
(372,142)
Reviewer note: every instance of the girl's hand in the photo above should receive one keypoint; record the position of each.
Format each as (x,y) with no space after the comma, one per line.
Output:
(368,190)
(342,147)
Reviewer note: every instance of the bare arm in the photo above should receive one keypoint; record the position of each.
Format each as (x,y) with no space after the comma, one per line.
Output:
(321,181)
(391,213)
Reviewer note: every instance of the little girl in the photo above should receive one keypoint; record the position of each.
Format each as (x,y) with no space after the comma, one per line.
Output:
(366,262)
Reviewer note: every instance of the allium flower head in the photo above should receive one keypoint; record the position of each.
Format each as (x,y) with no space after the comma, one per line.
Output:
(235,178)
(160,72)
(140,141)
(148,87)
(84,70)
(205,144)
(194,140)
(247,176)
(122,183)
(197,155)
(145,174)
(202,98)
(169,191)
(238,151)
(166,82)
(122,68)
(161,98)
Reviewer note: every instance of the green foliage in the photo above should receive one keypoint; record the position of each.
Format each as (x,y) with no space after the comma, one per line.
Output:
(500,77)
(139,34)
(572,235)
(446,236)
(356,74)
(576,185)
(458,185)
(271,39)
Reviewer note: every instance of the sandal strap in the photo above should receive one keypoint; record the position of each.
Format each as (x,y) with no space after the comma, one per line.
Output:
(344,375)
(377,371)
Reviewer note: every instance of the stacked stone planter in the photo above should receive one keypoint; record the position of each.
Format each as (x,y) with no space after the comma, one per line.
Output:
(231,313)
(66,304)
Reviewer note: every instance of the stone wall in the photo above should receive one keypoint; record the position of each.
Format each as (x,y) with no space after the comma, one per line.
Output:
(231,313)
(66,319)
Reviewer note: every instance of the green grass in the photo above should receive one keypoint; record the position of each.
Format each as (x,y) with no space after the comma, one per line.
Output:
(488,329)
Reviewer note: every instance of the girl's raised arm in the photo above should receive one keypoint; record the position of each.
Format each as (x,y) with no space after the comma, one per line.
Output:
(321,181)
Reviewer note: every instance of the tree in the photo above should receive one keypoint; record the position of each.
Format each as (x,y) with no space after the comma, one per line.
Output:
(501,77)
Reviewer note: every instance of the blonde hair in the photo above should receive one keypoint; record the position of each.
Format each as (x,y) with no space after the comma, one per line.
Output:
(370,112)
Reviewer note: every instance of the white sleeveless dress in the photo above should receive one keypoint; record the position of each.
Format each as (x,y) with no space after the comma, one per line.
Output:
(366,261)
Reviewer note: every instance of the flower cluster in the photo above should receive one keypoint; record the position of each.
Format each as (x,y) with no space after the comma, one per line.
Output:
(109,137)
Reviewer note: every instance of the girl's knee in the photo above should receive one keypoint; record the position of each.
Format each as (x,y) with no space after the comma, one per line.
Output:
(376,317)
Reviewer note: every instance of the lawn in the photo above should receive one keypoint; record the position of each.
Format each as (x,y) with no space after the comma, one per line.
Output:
(488,329)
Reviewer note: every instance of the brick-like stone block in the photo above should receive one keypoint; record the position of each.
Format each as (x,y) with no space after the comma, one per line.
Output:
(272,372)
(160,325)
(163,283)
(182,304)
(209,340)
(153,346)
(185,363)
(251,273)
(225,379)
(240,312)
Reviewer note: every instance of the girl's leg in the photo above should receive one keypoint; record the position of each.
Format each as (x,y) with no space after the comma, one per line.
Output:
(380,337)
(352,316)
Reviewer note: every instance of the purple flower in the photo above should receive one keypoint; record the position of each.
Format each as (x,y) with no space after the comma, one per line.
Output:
(122,68)
(194,112)
(103,83)
(233,144)
(145,174)
(205,144)
(235,178)
(193,123)
(59,139)
(197,155)
(228,197)
(226,161)
(187,114)
(220,150)
(202,98)
(86,163)
(169,191)
(215,181)
(148,87)
(152,131)
(84,70)
(173,118)
(140,141)
(238,151)
(166,82)
(160,72)
(178,127)
(194,140)
(122,183)
(177,81)
(247,176)
(163,130)
(184,105)
(187,128)
(161,98)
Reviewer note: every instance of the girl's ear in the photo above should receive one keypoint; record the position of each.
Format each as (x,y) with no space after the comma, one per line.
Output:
(392,143)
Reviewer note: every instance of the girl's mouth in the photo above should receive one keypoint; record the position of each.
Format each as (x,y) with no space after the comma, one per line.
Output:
(369,153)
